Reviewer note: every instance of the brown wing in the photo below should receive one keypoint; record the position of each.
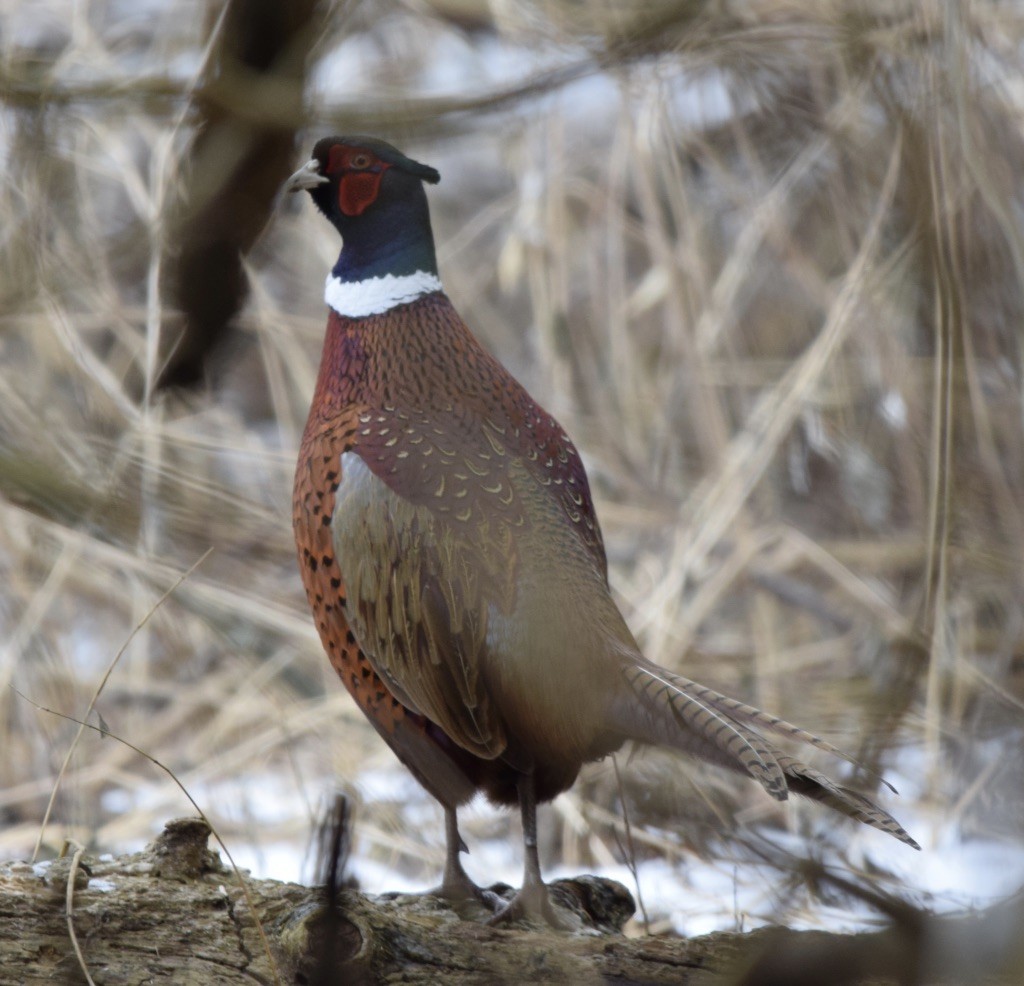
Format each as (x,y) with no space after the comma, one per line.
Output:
(420,589)
(448,772)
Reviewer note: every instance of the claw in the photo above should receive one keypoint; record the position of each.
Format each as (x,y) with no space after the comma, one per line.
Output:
(458,889)
(532,903)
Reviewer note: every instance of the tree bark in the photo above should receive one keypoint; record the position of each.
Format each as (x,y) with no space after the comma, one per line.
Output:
(173,913)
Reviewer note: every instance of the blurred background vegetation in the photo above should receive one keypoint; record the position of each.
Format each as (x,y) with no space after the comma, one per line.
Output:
(764,260)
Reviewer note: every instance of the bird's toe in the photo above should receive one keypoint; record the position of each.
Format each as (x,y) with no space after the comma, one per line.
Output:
(532,903)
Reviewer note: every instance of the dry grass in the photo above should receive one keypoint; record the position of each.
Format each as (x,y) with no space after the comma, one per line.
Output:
(785,336)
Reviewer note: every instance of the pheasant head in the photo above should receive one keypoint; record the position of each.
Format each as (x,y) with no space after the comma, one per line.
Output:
(373,195)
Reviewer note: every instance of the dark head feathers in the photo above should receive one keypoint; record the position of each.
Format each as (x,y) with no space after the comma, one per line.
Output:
(383,150)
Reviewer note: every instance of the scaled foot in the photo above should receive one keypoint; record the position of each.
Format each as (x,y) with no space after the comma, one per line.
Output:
(532,903)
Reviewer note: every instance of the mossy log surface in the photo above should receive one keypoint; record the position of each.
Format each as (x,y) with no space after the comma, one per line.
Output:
(173,913)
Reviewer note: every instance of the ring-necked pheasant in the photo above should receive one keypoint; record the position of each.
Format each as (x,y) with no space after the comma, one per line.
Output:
(451,554)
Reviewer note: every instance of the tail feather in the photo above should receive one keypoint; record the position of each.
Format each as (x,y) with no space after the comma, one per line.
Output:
(754,716)
(739,744)
(812,783)
(669,710)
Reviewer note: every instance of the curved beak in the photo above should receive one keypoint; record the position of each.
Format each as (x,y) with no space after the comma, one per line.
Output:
(308,176)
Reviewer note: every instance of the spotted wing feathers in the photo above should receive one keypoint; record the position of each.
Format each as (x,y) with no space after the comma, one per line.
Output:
(418,596)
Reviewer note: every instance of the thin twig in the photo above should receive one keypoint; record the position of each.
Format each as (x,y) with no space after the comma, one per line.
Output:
(69,908)
(630,848)
(103,731)
(95,698)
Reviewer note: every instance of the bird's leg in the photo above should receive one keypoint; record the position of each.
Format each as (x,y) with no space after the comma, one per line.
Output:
(456,886)
(532,901)
(456,882)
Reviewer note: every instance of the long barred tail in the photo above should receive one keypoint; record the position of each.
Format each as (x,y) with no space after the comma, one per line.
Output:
(669,710)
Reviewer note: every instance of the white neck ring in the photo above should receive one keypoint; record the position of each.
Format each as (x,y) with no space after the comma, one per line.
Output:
(376,295)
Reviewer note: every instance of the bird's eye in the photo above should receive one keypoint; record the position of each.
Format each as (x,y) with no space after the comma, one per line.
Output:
(359,161)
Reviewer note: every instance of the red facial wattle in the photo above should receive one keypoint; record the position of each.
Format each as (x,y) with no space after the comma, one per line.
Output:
(359,186)
(357,190)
